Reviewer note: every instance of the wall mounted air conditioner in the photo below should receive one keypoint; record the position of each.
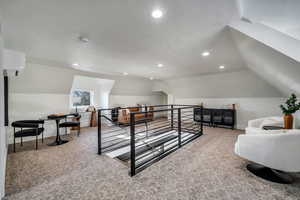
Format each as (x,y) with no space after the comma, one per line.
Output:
(13,62)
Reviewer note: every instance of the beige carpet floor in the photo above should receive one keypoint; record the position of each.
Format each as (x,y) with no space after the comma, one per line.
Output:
(206,168)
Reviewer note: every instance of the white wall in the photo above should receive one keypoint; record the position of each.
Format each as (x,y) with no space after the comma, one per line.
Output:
(270,54)
(34,106)
(3,146)
(42,90)
(297,119)
(270,37)
(254,97)
(246,108)
(243,83)
(157,98)
(123,101)
(58,80)
(100,87)
(159,85)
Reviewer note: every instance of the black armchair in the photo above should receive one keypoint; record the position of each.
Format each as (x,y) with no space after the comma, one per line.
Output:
(28,128)
(72,124)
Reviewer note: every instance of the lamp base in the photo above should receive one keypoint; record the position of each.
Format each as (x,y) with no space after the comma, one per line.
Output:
(270,174)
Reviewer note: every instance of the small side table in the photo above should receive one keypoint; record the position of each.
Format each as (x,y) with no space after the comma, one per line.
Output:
(57,118)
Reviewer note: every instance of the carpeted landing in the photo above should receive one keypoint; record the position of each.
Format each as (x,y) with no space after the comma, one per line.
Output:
(206,168)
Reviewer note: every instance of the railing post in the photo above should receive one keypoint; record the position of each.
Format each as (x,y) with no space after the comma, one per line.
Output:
(99,132)
(132,144)
(201,125)
(146,121)
(172,117)
(146,114)
(179,127)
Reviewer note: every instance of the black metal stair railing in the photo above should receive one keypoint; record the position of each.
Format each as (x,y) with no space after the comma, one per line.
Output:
(148,140)
(181,130)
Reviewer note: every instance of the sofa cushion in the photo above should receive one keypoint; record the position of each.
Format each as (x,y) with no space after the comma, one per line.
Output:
(69,124)
(29,132)
(137,109)
(271,122)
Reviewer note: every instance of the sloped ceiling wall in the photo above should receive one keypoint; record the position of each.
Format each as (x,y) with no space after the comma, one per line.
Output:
(278,69)
(281,15)
(240,84)
(40,79)
(269,43)
(123,35)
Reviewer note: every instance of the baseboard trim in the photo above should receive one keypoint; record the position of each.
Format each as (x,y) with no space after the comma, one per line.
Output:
(240,127)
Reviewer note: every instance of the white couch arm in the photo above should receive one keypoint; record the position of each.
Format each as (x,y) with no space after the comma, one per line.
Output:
(267,121)
(278,150)
(255,123)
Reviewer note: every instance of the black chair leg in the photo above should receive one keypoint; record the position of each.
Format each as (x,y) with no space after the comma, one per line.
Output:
(21,141)
(78,131)
(36,142)
(14,144)
(42,137)
(66,130)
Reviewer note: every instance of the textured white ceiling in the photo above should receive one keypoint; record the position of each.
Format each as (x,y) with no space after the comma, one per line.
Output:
(123,36)
(282,15)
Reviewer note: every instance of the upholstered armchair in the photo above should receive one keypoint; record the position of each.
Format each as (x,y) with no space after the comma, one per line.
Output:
(124,114)
(274,151)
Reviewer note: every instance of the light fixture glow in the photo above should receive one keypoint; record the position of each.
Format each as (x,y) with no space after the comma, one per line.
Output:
(125,73)
(160,65)
(205,53)
(151,78)
(221,67)
(157,14)
(75,65)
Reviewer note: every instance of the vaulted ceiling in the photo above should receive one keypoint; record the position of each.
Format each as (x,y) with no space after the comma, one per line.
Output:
(269,41)
(123,37)
(277,14)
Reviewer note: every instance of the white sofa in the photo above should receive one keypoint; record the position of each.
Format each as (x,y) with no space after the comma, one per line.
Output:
(255,126)
(275,149)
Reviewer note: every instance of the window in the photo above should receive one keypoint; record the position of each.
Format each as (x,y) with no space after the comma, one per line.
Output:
(81,98)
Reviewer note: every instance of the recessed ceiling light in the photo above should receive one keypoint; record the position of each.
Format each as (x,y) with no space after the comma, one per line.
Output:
(157,14)
(125,73)
(221,67)
(151,78)
(160,65)
(205,53)
(75,65)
